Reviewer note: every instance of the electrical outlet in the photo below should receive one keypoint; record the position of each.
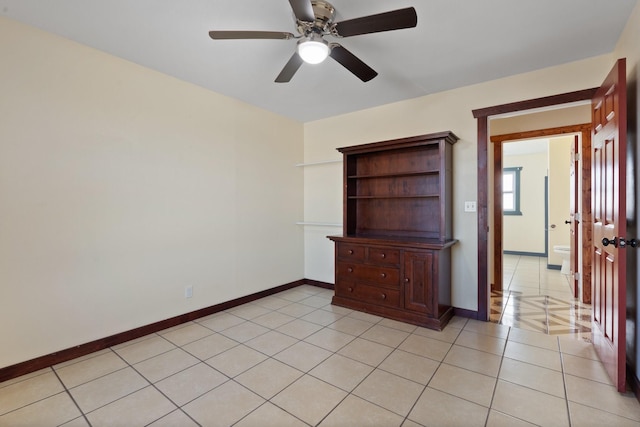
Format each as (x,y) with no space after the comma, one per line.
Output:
(469,206)
(188,291)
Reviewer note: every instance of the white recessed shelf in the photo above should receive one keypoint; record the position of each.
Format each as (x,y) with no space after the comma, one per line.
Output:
(323,162)
(319,224)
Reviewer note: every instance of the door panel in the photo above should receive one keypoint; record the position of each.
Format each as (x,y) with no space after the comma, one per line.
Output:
(609,222)
(418,271)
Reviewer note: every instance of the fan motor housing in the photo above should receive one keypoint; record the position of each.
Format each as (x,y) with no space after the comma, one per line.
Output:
(324,13)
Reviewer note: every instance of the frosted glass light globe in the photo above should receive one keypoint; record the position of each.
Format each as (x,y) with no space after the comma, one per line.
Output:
(313,51)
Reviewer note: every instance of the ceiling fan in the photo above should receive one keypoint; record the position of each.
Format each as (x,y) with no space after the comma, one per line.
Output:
(314,20)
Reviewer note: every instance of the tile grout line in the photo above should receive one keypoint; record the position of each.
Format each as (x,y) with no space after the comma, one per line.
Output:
(272,356)
(406,417)
(397,347)
(564,383)
(350,393)
(82,414)
(326,327)
(178,407)
(50,368)
(308,372)
(495,386)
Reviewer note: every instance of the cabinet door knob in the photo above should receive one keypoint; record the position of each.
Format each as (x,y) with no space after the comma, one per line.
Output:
(383,275)
(350,270)
(383,256)
(383,296)
(350,251)
(406,280)
(350,289)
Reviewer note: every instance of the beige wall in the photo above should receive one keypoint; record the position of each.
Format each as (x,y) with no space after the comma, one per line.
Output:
(528,121)
(559,194)
(525,233)
(450,110)
(119,186)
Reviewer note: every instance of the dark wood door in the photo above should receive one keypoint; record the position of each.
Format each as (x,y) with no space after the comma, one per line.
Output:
(419,286)
(573,218)
(609,222)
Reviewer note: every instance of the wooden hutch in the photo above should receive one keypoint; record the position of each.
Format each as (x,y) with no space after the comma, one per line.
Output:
(394,258)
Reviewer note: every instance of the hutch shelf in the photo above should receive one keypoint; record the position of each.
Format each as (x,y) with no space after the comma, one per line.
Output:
(394,258)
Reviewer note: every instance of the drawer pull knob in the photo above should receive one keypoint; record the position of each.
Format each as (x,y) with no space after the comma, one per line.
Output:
(350,251)
(350,289)
(350,270)
(384,296)
(406,280)
(383,275)
(383,256)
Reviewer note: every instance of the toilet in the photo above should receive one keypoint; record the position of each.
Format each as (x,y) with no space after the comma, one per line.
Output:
(565,252)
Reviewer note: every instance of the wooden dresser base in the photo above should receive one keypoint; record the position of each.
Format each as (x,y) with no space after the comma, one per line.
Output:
(397,314)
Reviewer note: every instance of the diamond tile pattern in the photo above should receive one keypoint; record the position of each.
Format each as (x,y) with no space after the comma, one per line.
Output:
(538,299)
(293,359)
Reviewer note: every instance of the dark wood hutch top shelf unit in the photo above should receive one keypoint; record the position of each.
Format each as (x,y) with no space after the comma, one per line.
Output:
(394,256)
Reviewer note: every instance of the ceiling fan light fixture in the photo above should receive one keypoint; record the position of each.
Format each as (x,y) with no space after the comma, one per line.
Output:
(313,50)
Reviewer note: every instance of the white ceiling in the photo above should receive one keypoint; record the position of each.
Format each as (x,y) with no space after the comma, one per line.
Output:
(456,43)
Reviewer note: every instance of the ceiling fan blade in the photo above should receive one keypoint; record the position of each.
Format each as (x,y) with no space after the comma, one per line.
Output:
(352,63)
(303,10)
(289,69)
(229,35)
(387,21)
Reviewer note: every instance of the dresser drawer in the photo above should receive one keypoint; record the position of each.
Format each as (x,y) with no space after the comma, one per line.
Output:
(346,251)
(367,293)
(386,276)
(383,256)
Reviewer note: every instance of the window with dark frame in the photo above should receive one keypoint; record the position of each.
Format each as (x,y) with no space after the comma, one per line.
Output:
(511,191)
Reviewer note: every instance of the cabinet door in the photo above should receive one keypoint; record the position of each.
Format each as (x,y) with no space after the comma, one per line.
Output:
(419,292)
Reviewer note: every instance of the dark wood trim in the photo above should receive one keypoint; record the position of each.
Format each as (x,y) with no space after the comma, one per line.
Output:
(319,284)
(541,133)
(496,283)
(483,219)
(545,101)
(48,360)
(586,221)
(584,130)
(482,116)
(463,312)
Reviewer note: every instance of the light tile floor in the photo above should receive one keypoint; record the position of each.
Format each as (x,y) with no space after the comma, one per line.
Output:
(292,359)
(539,299)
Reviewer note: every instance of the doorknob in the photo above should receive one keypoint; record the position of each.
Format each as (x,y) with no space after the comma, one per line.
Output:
(567,222)
(631,242)
(622,242)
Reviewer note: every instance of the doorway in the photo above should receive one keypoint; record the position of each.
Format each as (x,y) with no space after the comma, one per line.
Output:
(609,122)
(536,288)
(579,218)
(482,116)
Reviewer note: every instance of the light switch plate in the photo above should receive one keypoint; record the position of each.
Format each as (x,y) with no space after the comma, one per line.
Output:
(469,206)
